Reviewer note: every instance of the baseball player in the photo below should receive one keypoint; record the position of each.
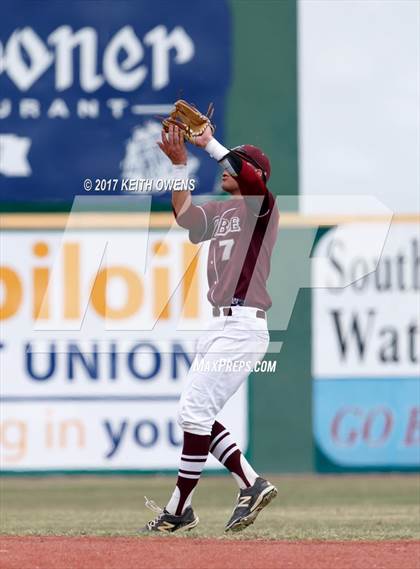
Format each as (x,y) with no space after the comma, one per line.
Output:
(242,232)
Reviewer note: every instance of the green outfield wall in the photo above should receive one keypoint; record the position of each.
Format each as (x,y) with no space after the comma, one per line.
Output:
(262,107)
(280,403)
(262,110)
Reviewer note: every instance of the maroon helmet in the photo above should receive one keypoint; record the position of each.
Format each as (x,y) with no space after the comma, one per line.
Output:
(254,156)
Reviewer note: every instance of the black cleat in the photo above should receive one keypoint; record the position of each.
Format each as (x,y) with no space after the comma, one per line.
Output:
(250,503)
(168,523)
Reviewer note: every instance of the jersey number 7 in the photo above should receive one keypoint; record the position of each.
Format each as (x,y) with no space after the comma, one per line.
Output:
(227,245)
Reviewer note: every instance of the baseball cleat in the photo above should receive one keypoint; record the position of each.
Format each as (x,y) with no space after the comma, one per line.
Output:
(250,503)
(168,523)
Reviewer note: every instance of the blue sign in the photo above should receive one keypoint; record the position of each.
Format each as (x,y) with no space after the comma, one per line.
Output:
(368,423)
(82,85)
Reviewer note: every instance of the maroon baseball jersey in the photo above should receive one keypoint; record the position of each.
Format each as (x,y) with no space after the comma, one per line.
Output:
(243,231)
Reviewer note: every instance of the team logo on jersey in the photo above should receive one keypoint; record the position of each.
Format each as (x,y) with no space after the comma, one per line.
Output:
(223,226)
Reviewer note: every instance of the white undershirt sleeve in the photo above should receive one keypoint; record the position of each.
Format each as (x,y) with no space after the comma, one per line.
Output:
(216,150)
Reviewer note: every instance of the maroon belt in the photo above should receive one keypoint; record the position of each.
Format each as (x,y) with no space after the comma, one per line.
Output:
(227,311)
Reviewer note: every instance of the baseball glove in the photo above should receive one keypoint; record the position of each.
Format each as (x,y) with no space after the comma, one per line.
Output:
(189,119)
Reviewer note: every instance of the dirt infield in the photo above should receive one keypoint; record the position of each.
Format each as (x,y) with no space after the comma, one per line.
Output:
(181,553)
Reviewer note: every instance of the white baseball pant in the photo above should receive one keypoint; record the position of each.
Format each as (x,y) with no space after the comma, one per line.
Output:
(225,355)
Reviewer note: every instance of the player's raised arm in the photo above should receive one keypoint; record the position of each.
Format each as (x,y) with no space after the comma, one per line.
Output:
(172,144)
(189,216)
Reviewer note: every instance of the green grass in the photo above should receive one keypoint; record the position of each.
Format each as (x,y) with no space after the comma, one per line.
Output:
(308,507)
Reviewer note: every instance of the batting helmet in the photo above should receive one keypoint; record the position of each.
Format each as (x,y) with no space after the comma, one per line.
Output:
(254,156)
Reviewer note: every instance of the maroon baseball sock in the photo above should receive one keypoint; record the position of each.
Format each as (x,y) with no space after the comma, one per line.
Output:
(224,448)
(193,459)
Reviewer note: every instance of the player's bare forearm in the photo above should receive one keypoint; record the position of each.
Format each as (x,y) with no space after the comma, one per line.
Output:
(172,144)
(181,201)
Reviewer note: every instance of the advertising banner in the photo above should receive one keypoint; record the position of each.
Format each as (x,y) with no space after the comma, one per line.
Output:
(82,86)
(95,348)
(366,348)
